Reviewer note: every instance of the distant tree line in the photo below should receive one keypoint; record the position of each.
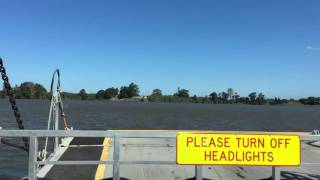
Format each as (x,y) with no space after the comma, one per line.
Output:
(228,97)
(27,90)
(30,90)
(125,92)
(310,101)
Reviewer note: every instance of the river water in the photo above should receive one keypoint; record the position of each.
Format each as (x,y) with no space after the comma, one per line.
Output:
(102,115)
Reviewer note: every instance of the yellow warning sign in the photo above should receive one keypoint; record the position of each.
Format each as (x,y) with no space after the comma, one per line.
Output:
(238,149)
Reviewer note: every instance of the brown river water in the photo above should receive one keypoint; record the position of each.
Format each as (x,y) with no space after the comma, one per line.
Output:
(103,115)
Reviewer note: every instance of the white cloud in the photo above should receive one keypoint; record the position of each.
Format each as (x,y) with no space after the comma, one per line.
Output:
(313,48)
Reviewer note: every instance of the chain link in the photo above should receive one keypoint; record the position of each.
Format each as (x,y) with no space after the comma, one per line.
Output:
(12,101)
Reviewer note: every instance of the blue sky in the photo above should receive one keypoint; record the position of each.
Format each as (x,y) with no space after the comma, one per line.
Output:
(204,46)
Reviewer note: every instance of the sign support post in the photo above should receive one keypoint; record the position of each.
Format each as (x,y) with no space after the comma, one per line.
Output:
(198,172)
(276,173)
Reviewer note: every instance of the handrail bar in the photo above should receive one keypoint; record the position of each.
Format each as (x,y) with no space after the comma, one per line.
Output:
(305,136)
(117,135)
(75,162)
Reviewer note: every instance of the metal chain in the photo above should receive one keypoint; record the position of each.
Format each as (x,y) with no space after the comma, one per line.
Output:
(12,101)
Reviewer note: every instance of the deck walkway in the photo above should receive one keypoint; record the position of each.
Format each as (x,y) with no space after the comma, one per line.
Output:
(144,149)
(90,149)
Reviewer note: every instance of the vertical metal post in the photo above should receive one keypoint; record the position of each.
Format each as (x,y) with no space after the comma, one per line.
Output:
(56,142)
(48,128)
(198,172)
(276,173)
(33,150)
(116,157)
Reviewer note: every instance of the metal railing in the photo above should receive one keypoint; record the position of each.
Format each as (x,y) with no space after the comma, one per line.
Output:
(33,136)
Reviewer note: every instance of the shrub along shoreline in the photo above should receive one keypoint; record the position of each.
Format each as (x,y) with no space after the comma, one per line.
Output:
(30,90)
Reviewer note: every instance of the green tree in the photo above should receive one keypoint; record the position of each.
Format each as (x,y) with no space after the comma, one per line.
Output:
(252,97)
(310,101)
(205,100)
(124,92)
(17,92)
(182,93)
(111,93)
(83,94)
(156,92)
(133,90)
(260,99)
(224,97)
(39,91)
(129,91)
(277,100)
(243,100)
(26,89)
(286,101)
(194,99)
(100,94)
(214,97)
